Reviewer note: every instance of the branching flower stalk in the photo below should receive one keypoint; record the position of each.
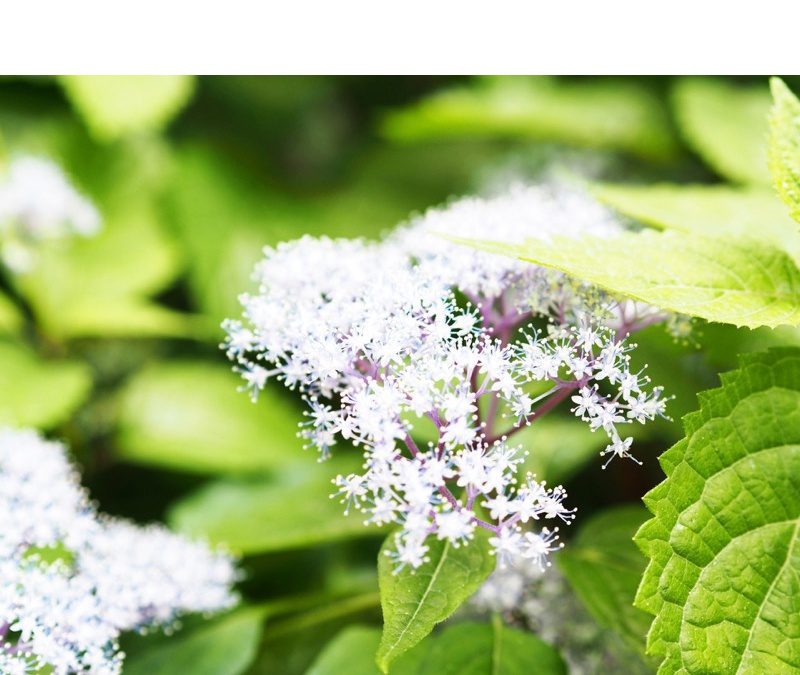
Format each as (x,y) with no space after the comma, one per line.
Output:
(416,338)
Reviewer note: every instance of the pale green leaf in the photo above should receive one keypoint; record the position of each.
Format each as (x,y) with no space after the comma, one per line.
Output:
(36,392)
(604,567)
(293,510)
(10,316)
(601,114)
(724,545)
(99,286)
(414,601)
(726,124)
(740,281)
(712,210)
(190,416)
(113,106)
(224,646)
(784,145)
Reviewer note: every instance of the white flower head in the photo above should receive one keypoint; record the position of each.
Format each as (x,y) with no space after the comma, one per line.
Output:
(38,203)
(414,330)
(72,580)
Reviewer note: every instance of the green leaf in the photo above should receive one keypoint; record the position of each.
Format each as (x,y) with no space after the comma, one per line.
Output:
(461,649)
(484,649)
(726,125)
(225,646)
(723,546)
(414,601)
(707,209)
(10,316)
(352,651)
(190,416)
(604,567)
(113,106)
(99,286)
(603,114)
(293,510)
(784,145)
(39,393)
(740,281)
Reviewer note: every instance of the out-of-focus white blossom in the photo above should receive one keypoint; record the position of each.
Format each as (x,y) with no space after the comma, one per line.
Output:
(38,203)
(72,580)
(415,331)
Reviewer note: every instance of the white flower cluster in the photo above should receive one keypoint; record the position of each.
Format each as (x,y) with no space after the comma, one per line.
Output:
(415,337)
(38,203)
(71,580)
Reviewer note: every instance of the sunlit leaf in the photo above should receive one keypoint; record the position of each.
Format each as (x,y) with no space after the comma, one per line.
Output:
(784,146)
(726,124)
(414,601)
(724,545)
(39,393)
(190,416)
(600,114)
(114,105)
(712,210)
(741,281)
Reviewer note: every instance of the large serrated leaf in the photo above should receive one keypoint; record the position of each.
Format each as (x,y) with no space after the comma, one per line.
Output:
(190,416)
(712,210)
(115,105)
(39,393)
(731,280)
(414,601)
(725,540)
(604,568)
(603,114)
(784,145)
(726,125)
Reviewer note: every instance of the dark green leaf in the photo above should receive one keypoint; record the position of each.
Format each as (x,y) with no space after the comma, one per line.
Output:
(225,646)
(604,567)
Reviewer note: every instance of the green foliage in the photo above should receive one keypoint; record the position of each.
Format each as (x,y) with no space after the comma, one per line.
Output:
(10,317)
(784,145)
(460,649)
(100,286)
(604,567)
(291,510)
(726,125)
(711,210)
(722,580)
(614,115)
(190,416)
(39,393)
(414,601)
(740,281)
(224,646)
(113,106)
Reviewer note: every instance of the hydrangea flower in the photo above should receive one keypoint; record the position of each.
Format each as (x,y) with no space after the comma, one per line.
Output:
(71,580)
(414,336)
(38,203)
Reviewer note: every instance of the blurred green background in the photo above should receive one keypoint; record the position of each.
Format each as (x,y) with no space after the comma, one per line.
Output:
(112,342)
